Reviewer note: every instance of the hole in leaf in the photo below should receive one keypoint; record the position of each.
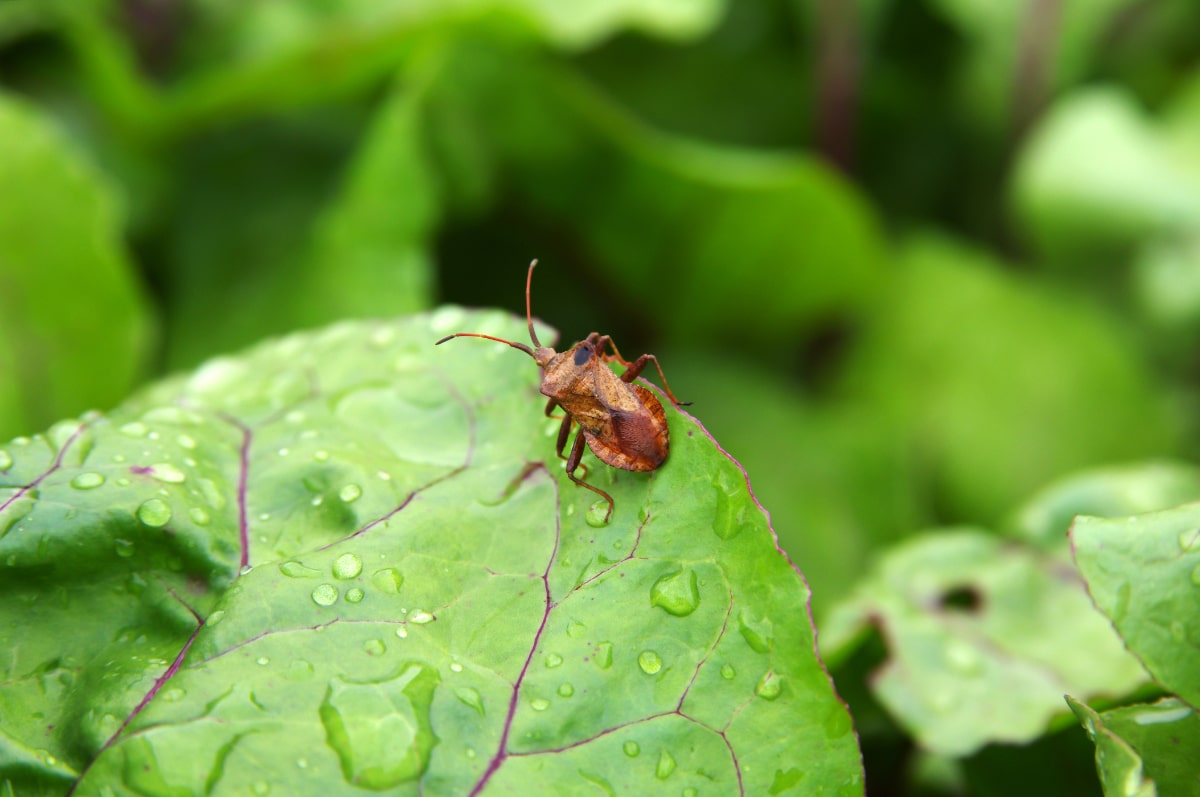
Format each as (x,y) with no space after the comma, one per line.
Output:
(962,599)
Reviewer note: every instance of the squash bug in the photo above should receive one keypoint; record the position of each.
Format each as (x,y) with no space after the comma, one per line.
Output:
(622,423)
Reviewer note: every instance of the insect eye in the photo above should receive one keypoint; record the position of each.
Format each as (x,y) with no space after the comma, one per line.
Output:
(583,354)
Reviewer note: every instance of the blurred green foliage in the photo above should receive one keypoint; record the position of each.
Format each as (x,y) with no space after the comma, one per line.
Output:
(912,261)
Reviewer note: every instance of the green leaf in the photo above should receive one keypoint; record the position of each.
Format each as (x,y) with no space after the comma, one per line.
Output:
(979,626)
(1073,208)
(1144,750)
(73,322)
(349,559)
(1106,492)
(1144,573)
(979,368)
(717,223)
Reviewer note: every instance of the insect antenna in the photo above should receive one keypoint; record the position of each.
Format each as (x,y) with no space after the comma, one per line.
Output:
(528,311)
(512,343)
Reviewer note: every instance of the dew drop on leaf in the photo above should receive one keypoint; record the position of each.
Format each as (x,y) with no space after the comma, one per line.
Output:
(294,569)
(346,566)
(539,704)
(354,595)
(566,690)
(373,647)
(769,686)
(124,548)
(597,515)
(676,593)
(350,493)
(470,698)
(199,516)
(87,481)
(650,662)
(262,661)
(575,629)
(604,655)
(420,617)
(757,633)
(402,632)
(381,730)
(665,766)
(325,595)
(299,670)
(388,580)
(631,749)
(553,660)
(154,513)
(6,460)
(455,667)
(135,429)
(215,618)
(727,672)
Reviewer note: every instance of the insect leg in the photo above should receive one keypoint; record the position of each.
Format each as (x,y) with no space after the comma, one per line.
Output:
(551,405)
(563,432)
(632,369)
(573,462)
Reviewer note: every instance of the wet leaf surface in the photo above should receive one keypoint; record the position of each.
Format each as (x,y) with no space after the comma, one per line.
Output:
(348,558)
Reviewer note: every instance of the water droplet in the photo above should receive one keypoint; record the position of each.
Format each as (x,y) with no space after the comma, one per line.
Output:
(387,580)
(539,704)
(554,660)
(727,672)
(124,548)
(420,617)
(299,670)
(1169,710)
(470,698)
(963,657)
(1189,540)
(199,516)
(597,515)
(174,694)
(346,566)
(445,319)
(154,513)
(565,690)
(384,475)
(294,569)
(402,632)
(373,647)
(166,472)
(381,730)
(215,618)
(263,661)
(604,655)
(757,633)
(325,595)
(769,686)
(455,667)
(86,481)
(650,662)
(135,429)
(730,513)
(676,593)
(354,595)
(631,749)
(350,493)
(575,629)
(6,460)
(321,455)
(666,765)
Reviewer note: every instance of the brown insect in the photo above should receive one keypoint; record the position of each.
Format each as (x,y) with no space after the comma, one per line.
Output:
(623,423)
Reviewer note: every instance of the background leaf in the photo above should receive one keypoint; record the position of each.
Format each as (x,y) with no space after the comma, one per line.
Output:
(1144,749)
(74,328)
